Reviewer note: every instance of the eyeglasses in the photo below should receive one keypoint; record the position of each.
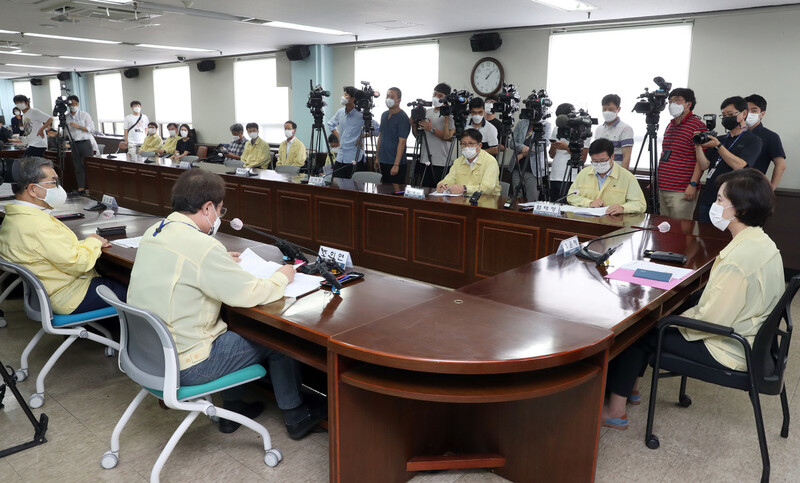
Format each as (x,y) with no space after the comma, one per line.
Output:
(222,212)
(730,114)
(56,182)
(469,145)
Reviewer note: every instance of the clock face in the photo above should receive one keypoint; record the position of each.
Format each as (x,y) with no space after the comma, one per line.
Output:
(487,76)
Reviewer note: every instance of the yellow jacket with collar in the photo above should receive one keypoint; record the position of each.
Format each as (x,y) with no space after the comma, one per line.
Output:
(620,188)
(255,155)
(47,247)
(170,145)
(184,276)
(483,175)
(297,154)
(153,143)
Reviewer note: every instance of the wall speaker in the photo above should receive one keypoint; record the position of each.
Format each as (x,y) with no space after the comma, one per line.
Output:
(298,52)
(206,65)
(485,42)
(36,81)
(63,76)
(131,73)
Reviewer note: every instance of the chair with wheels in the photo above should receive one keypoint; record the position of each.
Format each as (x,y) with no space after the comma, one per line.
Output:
(37,307)
(766,362)
(11,286)
(367,177)
(290,170)
(149,357)
(202,152)
(504,187)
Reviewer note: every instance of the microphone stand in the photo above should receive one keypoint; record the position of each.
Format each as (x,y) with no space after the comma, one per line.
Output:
(598,257)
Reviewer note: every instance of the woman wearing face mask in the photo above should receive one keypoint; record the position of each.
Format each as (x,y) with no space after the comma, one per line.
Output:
(153,142)
(185,145)
(745,284)
(16,123)
(171,143)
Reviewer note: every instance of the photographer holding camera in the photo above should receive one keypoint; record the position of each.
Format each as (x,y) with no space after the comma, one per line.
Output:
(559,151)
(737,149)
(347,124)
(487,129)
(439,131)
(394,127)
(616,131)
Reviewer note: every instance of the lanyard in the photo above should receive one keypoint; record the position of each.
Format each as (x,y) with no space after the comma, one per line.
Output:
(164,223)
(719,156)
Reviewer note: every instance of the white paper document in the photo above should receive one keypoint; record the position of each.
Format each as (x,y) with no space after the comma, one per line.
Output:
(580,210)
(128,242)
(261,268)
(675,272)
(436,193)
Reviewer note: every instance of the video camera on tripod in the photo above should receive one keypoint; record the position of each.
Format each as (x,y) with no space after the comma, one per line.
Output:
(418,112)
(316,99)
(456,104)
(653,103)
(576,128)
(711,124)
(536,105)
(507,104)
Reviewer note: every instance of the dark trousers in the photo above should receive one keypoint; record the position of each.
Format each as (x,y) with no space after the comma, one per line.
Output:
(92,301)
(36,152)
(399,178)
(431,175)
(555,190)
(346,170)
(80,150)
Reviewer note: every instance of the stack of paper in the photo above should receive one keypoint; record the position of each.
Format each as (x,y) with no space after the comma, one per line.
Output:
(579,210)
(128,242)
(261,268)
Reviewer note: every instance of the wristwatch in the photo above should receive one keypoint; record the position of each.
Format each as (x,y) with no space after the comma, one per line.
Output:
(693,184)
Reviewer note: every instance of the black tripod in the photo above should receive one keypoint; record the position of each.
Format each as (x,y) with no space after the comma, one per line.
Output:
(366,141)
(420,146)
(536,148)
(39,427)
(574,163)
(318,136)
(651,140)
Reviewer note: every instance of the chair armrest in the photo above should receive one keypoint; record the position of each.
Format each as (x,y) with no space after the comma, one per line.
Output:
(689,323)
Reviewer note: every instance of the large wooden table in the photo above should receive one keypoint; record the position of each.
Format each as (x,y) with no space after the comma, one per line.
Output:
(506,372)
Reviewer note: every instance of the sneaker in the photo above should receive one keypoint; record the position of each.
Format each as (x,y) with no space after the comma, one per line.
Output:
(317,412)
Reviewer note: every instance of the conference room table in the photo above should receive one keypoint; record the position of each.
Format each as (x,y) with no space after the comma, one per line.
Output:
(506,372)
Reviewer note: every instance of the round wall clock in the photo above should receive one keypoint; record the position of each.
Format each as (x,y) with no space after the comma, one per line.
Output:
(487,76)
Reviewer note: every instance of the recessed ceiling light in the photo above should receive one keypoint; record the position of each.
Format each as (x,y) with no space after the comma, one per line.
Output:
(171,47)
(567,5)
(17,52)
(75,39)
(88,58)
(306,28)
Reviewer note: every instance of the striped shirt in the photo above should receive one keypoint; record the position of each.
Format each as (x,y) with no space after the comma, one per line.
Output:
(676,173)
(617,132)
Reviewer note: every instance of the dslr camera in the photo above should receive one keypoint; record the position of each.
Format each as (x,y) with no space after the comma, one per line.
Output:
(652,103)
(703,137)
(536,105)
(418,113)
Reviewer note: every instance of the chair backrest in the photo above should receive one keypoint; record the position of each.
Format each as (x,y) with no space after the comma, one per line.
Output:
(35,300)
(504,187)
(233,163)
(101,148)
(367,177)
(770,350)
(146,348)
(202,152)
(290,170)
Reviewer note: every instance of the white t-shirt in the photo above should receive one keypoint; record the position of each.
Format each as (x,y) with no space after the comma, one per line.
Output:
(489,133)
(560,161)
(439,148)
(32,121)
(137,131)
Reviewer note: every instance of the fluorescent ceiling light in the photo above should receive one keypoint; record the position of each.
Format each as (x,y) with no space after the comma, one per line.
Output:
(17,52)
(306,28)
(567,5)
(8,32)
(115,2)
(75,39)
(88,58)
(39,67)
(171,47)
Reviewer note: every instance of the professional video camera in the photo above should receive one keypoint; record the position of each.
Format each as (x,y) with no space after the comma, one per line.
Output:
(576,128)
(364,97)
(507,101)
(536,105)
(315,97)
(703,137)
(418,113)
(456,104)
(653,103)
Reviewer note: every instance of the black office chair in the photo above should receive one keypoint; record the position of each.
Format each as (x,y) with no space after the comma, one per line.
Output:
(766,362)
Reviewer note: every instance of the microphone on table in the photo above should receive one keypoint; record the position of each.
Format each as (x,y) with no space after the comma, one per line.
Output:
(344,165)
(599,258)
(98,206)
(575,192)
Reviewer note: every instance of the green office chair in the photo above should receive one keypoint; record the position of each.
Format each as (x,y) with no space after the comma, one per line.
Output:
(149,357)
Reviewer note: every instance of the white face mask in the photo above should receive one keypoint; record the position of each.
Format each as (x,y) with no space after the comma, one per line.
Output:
(20,106)
(344,101)
(476,119)
(137,109)
(151,131)
(436,102)
(389,103)
(54,197)
(236,138)
(752,119)
(173,132)
(602,168)
(335,150)
(715,214)
(184,132)
(675,110)
(488,107)
(73,108)
(609,116)
(215,225)
(469,152)
(252,135)
(288,133)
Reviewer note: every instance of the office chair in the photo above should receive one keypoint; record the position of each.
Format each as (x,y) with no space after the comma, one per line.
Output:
(38,308)
(3,277)
(367,177)
(290,170)
(504,187)
(766,362)
(202,152)
(149,357)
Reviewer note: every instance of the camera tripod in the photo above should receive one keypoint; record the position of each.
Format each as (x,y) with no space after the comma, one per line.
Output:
(365,143)
(318,137)
(420,144)
(651,140)
(573,163)
(536,148)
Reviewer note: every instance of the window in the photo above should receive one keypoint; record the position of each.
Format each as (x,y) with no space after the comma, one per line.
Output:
(257,97)
(108,99)
(24,88)
(173,94)
(397,66)
(585,66)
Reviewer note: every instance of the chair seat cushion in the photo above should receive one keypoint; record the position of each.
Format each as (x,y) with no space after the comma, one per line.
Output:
(249,373)
(722,377)
(60,320)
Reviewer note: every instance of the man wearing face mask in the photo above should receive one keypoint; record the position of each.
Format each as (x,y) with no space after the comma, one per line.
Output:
(395,127)
(606,184)
(488,107)
(30,237)
(439,132)
(333,142)
(135,128)
(171,143)
(616,131)
(488,131)
(678,178)
(256,150)
(187,287)
(771,145)
(737,149)
(291,152)
(235,148)
(153,142)
(80,127)
(475,170)
(347,124)
(35,125)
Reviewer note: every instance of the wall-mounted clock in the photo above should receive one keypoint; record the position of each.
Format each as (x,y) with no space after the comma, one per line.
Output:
(487,76)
